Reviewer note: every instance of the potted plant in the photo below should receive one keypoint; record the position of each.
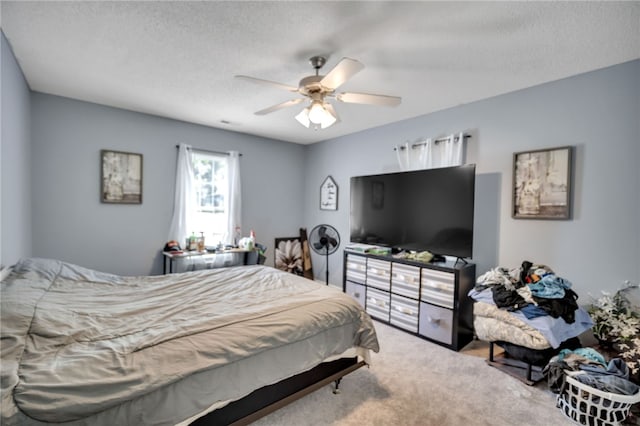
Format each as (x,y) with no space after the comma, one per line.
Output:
(617,325)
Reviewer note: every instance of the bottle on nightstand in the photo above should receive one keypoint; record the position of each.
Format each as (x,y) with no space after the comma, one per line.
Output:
(193,242)
(201,246)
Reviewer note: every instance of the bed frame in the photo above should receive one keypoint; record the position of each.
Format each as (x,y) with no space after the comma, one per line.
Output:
(524,371)
(270,398)
(529,367)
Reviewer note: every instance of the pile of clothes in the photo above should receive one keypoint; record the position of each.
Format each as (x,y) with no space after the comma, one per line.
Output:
(593,370)
(530,311)
(534,290)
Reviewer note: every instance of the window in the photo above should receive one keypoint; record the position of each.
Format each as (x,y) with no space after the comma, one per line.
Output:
(208,196)
(211,177)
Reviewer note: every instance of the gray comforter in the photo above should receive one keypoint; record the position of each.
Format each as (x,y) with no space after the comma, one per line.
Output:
(83,347)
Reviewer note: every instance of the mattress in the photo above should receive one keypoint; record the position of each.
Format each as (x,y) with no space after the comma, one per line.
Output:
(494,324)
(81,347)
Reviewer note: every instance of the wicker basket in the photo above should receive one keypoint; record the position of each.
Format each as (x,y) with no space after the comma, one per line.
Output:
(586,405)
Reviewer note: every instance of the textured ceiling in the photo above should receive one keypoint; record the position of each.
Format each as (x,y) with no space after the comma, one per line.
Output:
(178,59)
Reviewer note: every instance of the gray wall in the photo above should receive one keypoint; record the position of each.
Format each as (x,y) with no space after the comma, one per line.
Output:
(15,160)
(69,221)
(597,112)
(53,153)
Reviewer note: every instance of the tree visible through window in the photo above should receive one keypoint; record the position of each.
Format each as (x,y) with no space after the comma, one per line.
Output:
(211,177)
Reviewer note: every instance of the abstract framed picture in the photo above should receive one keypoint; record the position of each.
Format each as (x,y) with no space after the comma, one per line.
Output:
(120,177)
(542,184)
(288,255)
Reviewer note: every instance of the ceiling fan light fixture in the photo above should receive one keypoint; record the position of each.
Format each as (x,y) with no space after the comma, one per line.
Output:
(317,113)
(303,117)
(328,119)
(316,116)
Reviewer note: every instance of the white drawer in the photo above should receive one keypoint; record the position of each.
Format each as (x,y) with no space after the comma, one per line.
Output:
(404,313)
(378,305)
(405,280)
(379,274)
(357,291)
(436,323)
(438,288)
(356,268)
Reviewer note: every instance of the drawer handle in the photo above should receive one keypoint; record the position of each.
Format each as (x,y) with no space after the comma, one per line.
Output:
(378,302)
(407,279)
(405,311)
(437,286)
(433,320)
(356,294)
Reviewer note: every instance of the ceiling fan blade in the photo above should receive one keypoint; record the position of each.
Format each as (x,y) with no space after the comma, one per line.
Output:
(269,82)
(366,98)
(279,106)
(342,72)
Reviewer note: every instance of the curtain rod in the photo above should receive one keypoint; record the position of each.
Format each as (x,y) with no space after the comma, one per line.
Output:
(209,151)
(415,145)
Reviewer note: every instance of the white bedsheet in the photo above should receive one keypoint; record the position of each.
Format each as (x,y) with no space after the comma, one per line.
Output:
(81,347)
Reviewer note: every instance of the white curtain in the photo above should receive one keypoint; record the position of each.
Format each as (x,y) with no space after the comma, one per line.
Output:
(428,154)
(448,152)
(184,202)
(423,152)
(413,156)
(402,153)
(234,200)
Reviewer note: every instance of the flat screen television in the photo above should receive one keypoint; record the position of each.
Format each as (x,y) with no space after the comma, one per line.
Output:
(418,210)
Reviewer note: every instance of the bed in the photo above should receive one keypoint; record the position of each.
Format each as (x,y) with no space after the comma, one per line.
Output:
(81,347)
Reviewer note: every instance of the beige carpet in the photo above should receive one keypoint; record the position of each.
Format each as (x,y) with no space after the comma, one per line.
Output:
(415,382)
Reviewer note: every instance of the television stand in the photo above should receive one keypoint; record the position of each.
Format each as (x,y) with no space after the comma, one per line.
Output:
(427,300)
(461,259)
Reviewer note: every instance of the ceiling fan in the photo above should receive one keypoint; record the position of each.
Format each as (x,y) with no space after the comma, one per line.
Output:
(320,114)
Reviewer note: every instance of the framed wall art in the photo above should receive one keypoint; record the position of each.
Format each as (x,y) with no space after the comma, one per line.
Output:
(121,177)
(288,255)
(329,194)
(542,184)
